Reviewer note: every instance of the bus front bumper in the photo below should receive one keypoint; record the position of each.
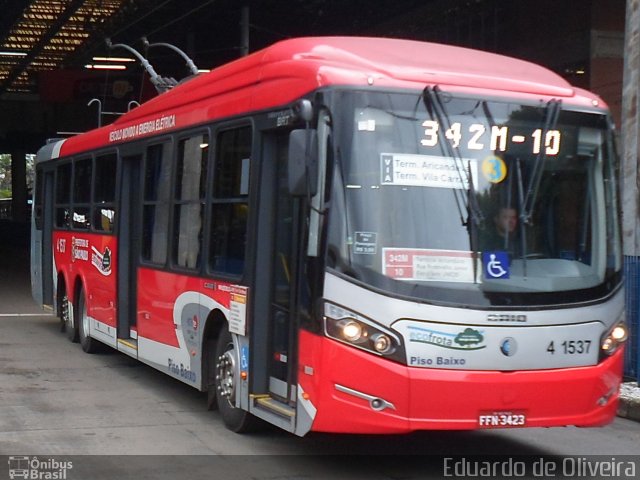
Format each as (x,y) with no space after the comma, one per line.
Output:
(356,392)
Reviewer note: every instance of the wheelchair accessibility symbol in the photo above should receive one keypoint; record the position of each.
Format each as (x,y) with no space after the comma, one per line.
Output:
(495,265)
(244,358)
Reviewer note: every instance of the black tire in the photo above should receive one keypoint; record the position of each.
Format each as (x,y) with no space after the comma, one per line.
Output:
(226,374)
(68,319)
(88,344)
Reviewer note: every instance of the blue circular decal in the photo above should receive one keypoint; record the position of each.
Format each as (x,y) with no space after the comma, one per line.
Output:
(508,347)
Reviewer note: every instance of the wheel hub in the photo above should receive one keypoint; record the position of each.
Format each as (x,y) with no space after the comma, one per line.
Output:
(67,312)
(225,368)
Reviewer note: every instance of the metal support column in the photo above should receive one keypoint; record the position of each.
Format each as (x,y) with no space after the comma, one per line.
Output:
(19,207)
(630,183)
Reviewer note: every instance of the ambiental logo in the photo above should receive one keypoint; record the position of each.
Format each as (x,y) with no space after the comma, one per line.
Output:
(468,339)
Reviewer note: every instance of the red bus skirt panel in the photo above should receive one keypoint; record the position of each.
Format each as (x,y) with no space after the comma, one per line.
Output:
(333,375)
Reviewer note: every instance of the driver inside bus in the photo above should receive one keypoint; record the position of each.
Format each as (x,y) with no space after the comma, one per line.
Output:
(502,235)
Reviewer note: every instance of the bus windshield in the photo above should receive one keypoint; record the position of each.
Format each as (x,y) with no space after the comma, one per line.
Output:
(459,199)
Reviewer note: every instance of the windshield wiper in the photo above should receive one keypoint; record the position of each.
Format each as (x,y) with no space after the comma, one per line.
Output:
(523,231)
(432,99)
(433,102)
(552,112)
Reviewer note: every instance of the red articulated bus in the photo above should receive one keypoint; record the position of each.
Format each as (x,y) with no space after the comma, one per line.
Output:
(350,235)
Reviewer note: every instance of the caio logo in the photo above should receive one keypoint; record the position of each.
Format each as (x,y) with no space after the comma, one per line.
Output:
(506,317)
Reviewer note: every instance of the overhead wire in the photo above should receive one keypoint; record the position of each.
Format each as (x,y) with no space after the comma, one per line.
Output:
(137,20)
(200,7)
(269,31)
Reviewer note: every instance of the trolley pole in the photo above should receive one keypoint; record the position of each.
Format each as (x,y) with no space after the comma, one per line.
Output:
(631,182)
(244,31)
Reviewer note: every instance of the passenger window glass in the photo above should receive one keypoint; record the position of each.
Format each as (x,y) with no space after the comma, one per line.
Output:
(105,180)
(63,183)
(191,174)
(82,181)
(231,177)
(104,193)
(230,206)
(157,173)
(81,219)
(157,195)
(63,196)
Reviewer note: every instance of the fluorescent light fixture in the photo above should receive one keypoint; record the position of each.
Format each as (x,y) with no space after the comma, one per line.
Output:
(203,70)
(13,54)
(113,59)
(99,66)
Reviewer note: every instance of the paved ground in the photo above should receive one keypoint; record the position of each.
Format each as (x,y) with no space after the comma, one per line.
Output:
(15,290)
(630,401)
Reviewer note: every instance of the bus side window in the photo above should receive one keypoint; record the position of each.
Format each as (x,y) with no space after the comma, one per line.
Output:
(104,193)
(63,196)
(157,193)
(82,171)
(189,200)
(230,206)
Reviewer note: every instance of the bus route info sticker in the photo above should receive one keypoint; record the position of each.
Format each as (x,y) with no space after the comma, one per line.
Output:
(429,265)
(238,310)
(410,170)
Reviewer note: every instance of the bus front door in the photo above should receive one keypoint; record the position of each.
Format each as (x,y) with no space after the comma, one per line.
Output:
(284,284)
(285,279)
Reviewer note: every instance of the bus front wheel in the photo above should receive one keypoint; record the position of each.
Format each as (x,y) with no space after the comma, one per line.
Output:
(227,377)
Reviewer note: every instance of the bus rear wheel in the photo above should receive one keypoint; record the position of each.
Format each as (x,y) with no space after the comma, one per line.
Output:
(68,319)
(227,376)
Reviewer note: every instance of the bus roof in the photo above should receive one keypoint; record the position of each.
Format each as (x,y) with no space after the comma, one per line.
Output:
(287,70)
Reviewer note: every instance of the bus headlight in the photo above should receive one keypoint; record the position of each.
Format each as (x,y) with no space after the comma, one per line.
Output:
(357,331)
(619,333)
(382,343)
(351,330)
(615,337)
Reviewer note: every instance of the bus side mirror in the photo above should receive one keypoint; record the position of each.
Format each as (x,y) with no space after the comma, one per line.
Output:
(303,162)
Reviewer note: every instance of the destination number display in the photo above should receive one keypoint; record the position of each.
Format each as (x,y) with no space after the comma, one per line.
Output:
(477,136)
